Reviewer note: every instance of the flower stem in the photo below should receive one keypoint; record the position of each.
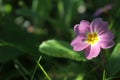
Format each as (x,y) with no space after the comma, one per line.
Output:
(104,75)
(103,60)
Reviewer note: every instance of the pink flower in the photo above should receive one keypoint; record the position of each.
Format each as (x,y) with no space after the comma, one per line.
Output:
(91,37)
(103,10)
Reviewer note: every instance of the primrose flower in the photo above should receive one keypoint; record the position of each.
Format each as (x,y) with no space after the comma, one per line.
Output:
(91,37)
(103,10)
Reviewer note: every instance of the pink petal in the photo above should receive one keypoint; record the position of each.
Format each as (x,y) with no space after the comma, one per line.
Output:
(106,36)
(98,12)
(98,25)
(106,44)
(103,9)
(92,51)
(102,28)
(108,7)
(76,29)
(79,38)
(83,27)
(78,44)
(105,24)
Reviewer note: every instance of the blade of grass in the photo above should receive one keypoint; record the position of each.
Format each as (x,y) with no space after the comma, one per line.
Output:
(32,77)
(40,66)
(22,67)
(45,73)
(20,72)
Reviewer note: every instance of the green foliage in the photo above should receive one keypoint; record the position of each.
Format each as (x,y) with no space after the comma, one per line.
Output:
(8,8)
(14,51)
(60,49)
(48,32)
(112,67)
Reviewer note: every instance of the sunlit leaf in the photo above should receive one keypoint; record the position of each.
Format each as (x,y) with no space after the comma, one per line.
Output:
(60,49)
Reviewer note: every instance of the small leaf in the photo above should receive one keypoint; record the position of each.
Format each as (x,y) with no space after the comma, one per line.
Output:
(60,49)
(113,65)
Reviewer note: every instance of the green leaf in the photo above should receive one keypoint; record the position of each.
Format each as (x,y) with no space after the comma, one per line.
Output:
(60,49)
(9,53)
(15,41)
(113,66)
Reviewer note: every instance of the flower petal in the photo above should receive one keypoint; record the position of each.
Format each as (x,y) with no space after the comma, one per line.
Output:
(106,44)
(103,28)
(102,10)
(98,12)
(108,7)
(79,38)
(78,44)
(106,36)
(92,51)
(76,29)
(97,25)
(83,27)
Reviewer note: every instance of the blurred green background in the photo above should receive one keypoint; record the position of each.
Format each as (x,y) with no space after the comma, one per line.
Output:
(33,28)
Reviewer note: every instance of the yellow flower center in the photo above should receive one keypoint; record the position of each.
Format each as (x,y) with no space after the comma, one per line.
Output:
(92,38)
